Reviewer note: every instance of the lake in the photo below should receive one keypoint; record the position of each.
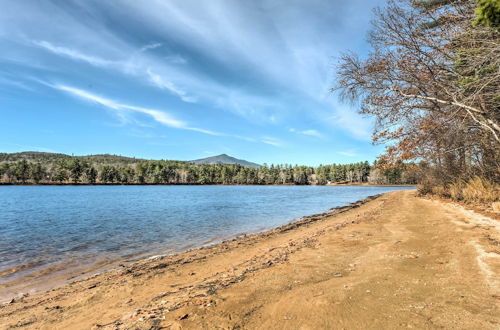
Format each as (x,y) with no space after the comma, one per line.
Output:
(54,231)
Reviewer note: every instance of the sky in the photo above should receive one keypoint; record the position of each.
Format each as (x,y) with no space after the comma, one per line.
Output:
(182,79)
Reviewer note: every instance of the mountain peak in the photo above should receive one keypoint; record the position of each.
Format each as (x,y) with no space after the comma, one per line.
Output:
(224,159)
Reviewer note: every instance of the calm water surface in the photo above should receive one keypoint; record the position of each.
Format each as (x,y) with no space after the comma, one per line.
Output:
(46,229)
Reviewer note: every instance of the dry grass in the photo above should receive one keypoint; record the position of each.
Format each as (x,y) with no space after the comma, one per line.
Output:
(481,190)
(455,190)
(496,207)
(474,191)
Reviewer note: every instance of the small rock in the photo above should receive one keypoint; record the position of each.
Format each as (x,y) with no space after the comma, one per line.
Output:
(338,275)
(183,317)
(368,291)
(56,307)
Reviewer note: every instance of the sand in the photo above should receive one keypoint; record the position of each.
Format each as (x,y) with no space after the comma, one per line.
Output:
(396,261)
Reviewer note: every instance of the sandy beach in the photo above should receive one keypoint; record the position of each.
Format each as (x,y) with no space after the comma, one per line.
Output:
(392,261)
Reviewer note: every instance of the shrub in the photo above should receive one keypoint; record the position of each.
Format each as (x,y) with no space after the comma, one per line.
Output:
(441,191)
(455,190)
(425,187)
(481,190)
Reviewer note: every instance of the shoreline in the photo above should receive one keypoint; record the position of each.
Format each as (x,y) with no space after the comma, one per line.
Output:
(393,260)
(62,277)
(196,184)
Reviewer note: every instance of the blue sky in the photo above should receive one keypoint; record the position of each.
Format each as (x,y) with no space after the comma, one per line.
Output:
(182,79)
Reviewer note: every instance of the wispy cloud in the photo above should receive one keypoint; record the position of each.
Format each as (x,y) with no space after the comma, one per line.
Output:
(348,153)
(74,54)
(131,66)
(162,83)
(176,59)
(151,46)
(272,141)
(350,121)
(157,115)
(14,82)
(276,50)
(309,132)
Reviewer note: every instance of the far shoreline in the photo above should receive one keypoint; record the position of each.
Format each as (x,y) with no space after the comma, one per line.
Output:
(212,184)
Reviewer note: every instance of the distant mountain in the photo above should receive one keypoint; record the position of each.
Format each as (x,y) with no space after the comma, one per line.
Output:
(48,157)
(45,157)
(224,159)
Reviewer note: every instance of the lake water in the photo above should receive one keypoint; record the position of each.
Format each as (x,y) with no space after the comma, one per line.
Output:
(50,230)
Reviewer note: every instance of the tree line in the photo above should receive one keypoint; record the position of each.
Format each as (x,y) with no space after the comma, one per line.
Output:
(78,170)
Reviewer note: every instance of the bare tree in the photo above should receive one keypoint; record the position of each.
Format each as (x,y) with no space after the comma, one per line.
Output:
(432,83)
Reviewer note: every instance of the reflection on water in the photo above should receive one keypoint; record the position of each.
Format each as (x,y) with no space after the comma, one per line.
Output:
(50,229)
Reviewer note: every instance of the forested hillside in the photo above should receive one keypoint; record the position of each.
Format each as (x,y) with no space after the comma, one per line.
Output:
(44,168)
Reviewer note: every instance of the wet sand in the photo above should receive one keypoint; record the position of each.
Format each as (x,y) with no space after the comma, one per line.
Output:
(396,261)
